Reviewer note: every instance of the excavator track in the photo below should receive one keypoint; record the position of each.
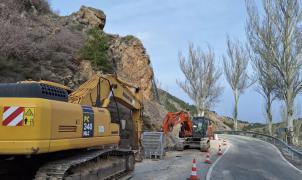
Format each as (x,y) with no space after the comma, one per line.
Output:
(94,164)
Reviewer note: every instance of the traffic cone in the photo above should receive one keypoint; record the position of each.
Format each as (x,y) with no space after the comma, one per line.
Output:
(208,160)
(219,151)
(194,171)
(224,143)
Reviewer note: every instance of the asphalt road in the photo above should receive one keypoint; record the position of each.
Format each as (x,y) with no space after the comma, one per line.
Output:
(252,159)
(176,165)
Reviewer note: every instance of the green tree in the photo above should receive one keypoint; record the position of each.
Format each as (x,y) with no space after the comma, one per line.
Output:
(96,50)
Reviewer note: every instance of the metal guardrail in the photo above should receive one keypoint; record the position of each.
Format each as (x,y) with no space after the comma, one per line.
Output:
(292,154)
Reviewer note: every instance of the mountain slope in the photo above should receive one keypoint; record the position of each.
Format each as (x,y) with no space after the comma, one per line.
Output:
(174,104)
(37,44)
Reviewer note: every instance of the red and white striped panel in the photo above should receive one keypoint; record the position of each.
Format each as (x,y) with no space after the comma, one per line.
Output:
(12,116)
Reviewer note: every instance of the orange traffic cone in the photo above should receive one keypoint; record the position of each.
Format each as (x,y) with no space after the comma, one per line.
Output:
(219,151)
(194,171)
(208,160)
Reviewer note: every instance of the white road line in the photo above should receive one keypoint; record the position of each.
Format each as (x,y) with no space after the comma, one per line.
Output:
(212,167)
(279,152)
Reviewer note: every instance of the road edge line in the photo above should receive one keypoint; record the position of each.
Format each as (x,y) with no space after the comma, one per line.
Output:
(280,154)
(209,173)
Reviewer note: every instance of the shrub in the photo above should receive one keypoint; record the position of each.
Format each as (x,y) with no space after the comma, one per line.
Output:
(42,6)
(170,107)
(36,55)
(96,50)
(129,37)
(166,99)
(13,6)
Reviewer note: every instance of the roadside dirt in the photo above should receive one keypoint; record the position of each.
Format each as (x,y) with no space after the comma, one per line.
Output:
(176,165)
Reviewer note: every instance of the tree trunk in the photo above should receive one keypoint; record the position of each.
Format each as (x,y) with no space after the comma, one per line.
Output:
(198,107)
(269,115)
(235,109)
(289,120)
(202,108)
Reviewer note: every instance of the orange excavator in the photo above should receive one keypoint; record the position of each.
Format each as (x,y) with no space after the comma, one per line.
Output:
(195,133)
(174,118)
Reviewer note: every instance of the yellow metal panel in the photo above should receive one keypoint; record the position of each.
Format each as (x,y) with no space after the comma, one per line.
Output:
(101,122)
(42,122)
(63,144)
(114,128)
(66,120)
(24,147)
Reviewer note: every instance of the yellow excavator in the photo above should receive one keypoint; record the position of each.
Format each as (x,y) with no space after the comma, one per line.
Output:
(48,131)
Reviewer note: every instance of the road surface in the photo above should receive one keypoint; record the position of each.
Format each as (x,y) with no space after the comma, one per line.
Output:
(176,165)
(252,159)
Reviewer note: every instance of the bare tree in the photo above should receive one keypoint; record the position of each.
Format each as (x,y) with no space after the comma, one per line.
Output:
(278,36)
(202,76)
(265,86)
(235,72)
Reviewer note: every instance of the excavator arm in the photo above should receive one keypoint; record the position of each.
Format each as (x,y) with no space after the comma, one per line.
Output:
(100,89)
(174,118)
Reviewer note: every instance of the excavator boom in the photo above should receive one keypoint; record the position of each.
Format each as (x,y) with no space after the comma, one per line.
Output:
(100,89)
(174,118)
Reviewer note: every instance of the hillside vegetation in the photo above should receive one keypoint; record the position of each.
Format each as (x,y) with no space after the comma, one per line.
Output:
(174,104)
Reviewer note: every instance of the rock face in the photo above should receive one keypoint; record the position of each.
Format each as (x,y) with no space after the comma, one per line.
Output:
(44,46)
(58,40)
(91,17)
(127,54)
(219,121)
(133,63)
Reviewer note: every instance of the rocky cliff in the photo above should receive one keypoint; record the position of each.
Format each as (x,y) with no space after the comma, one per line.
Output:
(38,44)
(126,54)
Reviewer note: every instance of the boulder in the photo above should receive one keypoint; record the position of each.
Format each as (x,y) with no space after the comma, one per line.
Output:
(91,17)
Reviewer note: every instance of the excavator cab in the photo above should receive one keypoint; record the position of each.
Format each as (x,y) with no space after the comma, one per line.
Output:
(200,127)
(201,132)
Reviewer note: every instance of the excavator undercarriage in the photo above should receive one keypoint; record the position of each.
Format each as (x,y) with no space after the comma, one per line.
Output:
(92,164)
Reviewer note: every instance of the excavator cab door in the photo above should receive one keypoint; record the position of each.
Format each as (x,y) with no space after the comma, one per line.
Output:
(200,127)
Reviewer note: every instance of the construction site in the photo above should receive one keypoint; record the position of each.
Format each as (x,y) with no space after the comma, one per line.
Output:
(88,144)
(83,101)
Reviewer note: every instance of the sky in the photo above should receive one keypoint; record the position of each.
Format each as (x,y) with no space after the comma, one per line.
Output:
(166,27)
